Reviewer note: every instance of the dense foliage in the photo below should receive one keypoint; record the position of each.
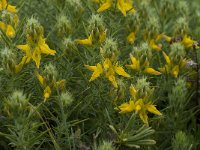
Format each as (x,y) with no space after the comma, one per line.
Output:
(99,74)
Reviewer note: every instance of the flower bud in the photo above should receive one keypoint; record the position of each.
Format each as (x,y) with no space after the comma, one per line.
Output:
(50,73)
(66,98)
(64,27)
(9,60)
(34,31)
(177,52)
(105,146)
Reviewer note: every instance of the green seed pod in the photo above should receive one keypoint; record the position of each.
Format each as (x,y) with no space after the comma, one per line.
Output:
(50,73)
(34,31)
(66,98)
(9,61)
(16,104)
(105,145)
(64,27)
(143,88)
(110,49)
(177,52)
(96,22)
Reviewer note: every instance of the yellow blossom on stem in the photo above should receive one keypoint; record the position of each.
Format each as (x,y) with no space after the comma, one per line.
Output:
(187,41)
(104,5)
(47,93)
(131,38)
(34,52)
(154,46)
(132,91)
(136,65)
(172,68)
(123,5)
(8,29)
(87,41)
(140,108)
(151,71)
(48,87)
(107,69)
(102,36)
(5,6)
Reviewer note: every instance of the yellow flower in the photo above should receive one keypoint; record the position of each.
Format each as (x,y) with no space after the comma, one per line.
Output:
(19,66)
(102,36)
(167,38)
(8,29)
(47,93)
(87,41)
(140,108)
(123,5)
(187,41)
(131,38)
(144,108)
(97,71)
(136,66)
(154,46)
(108,69)
(170,67)
(132,91)
(34,52)
(5,6)
(151,71)
(104,5)
(135,63)
(48,87)
(127,107)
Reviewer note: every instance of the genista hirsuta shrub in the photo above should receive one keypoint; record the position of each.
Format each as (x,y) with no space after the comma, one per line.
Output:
(99,74)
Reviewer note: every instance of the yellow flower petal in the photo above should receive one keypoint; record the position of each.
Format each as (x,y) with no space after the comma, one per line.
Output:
(41,79)
(10,32)
(187,41)
(167,59)
(132,91)
(24,47)
(60,84)
(102,36)
(97,72)
(91,68)
(36,57)
(175,71)
(131,38)
(112,79)
(143,117)
(11,9)
(21,64)
(127,107)
(120,71)
(167,38)
(152,71)
(47,93)
(44,48)
(135,63)
(87,41)
(107,64)
(104,6)
(2,26)
(121,6)
(154,46)
(153,109)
